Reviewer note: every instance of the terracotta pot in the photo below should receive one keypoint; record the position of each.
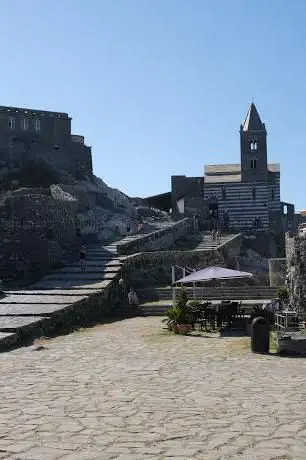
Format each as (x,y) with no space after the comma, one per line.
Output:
(175,328)
(183,328)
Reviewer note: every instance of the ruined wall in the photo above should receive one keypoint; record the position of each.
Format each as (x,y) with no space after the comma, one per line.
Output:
(277,272)
(36,232)
(296,272)
(158,240)
(149,268)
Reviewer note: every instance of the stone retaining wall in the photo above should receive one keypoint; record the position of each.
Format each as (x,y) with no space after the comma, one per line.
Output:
(296,272)
(158,265)
(159,240)
(155,268)
(93,309)
(277,271)
(36,232)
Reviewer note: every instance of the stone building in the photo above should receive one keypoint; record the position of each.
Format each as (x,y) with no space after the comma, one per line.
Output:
(27,134)
(243,196)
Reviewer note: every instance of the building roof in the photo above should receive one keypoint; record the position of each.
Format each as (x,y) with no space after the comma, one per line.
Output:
(230,172)
(223,169)
(11,111)
(252,121)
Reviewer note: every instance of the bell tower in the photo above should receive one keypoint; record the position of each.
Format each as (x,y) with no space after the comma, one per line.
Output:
(253,148)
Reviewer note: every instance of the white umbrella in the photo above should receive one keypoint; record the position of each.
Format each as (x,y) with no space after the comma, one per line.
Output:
(213,273)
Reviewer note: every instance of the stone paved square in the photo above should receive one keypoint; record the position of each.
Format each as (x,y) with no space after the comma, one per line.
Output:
(129,390)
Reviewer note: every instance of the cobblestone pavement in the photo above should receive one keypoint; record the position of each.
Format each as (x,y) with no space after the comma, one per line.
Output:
(128,390)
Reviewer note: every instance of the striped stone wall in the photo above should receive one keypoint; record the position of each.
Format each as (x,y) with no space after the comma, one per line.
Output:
(245,202)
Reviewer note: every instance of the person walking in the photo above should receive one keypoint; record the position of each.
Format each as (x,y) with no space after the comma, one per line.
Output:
(213,233)
(83,257)
(133,299)
(218,235)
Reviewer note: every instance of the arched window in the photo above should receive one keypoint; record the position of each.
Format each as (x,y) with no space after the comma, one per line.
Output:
(253,144)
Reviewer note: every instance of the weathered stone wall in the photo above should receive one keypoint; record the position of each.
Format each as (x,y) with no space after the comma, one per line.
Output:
(277,271)
(145,267)
(158,240)
(36,232)
(148,268)
(296,272)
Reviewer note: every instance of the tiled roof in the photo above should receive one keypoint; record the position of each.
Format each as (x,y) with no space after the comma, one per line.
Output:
(222,169)
(230,172)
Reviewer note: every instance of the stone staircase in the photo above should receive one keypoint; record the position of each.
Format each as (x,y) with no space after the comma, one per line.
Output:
(203,241)
(23,311)
(156,302)
(28,312)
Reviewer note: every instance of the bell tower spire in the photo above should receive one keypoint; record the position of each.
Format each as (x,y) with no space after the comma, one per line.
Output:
(253,148)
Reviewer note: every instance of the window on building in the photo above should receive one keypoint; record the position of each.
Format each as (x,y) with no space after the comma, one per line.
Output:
(253,193)
(253,144)
(223,193)
(253,163)
(11,123)
(24,123)
(37,125)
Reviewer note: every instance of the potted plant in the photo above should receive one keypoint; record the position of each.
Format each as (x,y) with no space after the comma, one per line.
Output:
(183,320)
(170,320)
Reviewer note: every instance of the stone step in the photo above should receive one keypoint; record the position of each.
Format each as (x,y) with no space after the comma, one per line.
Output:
(96,263)
(89,269)
(40,298)
(52,292)
(100,257)
(71,284)
(159,308)
(82,276)
(14,324)
(33,309)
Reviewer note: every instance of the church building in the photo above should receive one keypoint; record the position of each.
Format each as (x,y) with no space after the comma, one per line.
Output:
(243,196)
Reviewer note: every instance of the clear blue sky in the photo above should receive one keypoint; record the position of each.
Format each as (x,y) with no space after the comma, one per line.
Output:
(160,87)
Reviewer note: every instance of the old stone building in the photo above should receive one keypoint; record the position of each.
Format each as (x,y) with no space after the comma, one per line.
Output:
(27,134)
(243,196)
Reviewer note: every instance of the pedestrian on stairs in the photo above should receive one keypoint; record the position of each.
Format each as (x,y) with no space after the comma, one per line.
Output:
(213,233)
(218,235)
(83,257)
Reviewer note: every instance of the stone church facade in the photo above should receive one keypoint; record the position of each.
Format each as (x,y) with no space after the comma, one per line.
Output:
(242,197)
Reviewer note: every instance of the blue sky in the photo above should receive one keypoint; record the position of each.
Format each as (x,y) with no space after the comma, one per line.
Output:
(160,87)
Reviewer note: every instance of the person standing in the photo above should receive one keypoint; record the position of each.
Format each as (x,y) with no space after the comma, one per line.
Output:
(218,235)
(133,299)
(83,257)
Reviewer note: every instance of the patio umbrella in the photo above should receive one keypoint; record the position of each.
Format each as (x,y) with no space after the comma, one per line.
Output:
(213,273)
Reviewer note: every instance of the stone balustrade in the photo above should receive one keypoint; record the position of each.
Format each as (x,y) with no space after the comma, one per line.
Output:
(158,240)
